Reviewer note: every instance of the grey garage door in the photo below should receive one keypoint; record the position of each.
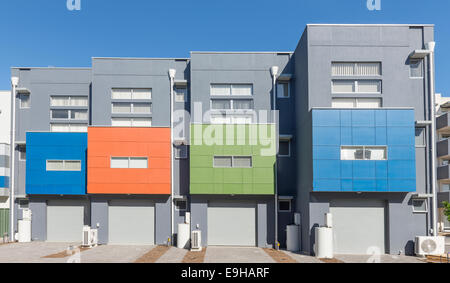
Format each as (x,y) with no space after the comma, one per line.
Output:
(358,225)
(65,220)
(231,224)
(131,222)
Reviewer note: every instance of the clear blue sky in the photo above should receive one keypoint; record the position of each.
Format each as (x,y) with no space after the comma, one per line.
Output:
(44,33)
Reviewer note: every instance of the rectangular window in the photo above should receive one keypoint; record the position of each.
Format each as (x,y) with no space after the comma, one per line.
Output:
(131,122)
(368,103)
(231,89)
(129,162)
(223,161)
(420,137)
(242,161)
(22,153)
(231,118)
(180,94)
(68,128)
(416,68)
(63,165)
(285,149)
(131,94)
(69,114)
(232,162)
(65,101)
(25,101)
(342,69)
(284,205)
(360,86)
(131,108)
(363,153)
(181,152)
(283,90)
(232,104)
(420,205)
(24,204)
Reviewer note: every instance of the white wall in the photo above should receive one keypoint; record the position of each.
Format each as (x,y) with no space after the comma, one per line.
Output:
(5,130)
(5,116)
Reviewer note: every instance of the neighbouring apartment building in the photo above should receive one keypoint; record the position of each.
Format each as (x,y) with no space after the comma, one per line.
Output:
(443,154)
(5,139)
(350,136)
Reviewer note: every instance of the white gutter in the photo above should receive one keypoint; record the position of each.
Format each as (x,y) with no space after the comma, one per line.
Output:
(274,72)
(172,73)
(14,83)
(430,47)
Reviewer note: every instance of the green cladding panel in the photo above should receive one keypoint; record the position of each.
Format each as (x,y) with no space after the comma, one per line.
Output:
(257,141)
(4,222)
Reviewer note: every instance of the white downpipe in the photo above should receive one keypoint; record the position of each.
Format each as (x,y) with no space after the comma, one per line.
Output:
(172,73)
(430,48)
(274,72)
(14,83)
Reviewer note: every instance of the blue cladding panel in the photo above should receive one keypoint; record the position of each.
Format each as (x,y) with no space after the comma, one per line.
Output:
(55,146)
(385,127)
(4,182)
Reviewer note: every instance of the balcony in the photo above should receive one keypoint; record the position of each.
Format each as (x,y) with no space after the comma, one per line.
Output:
(443,123)
(443,149)
(443,173)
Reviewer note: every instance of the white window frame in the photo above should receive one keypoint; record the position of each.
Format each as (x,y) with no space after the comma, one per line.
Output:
(232,161)
(176,94)
(70,127)
(290,205)
(355,65)
(129,161)
(363,147)
(231,89)
(289,144)
(69,100)
(69,111)
(132,90)
(21,105)
(132,120)
(288,89)
(421,62)
(64,163)
(132,105)
(356,101)
(356,87)
(21,149)
(420,211)
(231,104)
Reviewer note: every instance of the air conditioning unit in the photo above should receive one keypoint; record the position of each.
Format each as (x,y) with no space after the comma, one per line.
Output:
(430,246)
(90,237)
(196,241)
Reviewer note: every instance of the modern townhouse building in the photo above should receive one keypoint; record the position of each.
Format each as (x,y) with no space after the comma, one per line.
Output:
(51,109)
(341,125)
(364,126)
(234,186)
(5,139)
(130,156)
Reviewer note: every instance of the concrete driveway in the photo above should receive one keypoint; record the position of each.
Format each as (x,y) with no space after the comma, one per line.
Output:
(36,251)
(236,255)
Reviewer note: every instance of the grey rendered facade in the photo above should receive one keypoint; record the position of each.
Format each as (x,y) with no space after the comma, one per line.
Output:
(307,70)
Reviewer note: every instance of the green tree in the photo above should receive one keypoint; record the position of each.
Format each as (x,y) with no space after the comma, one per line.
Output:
(447,209)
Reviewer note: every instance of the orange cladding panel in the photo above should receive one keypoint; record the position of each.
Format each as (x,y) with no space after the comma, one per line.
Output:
(106,142)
